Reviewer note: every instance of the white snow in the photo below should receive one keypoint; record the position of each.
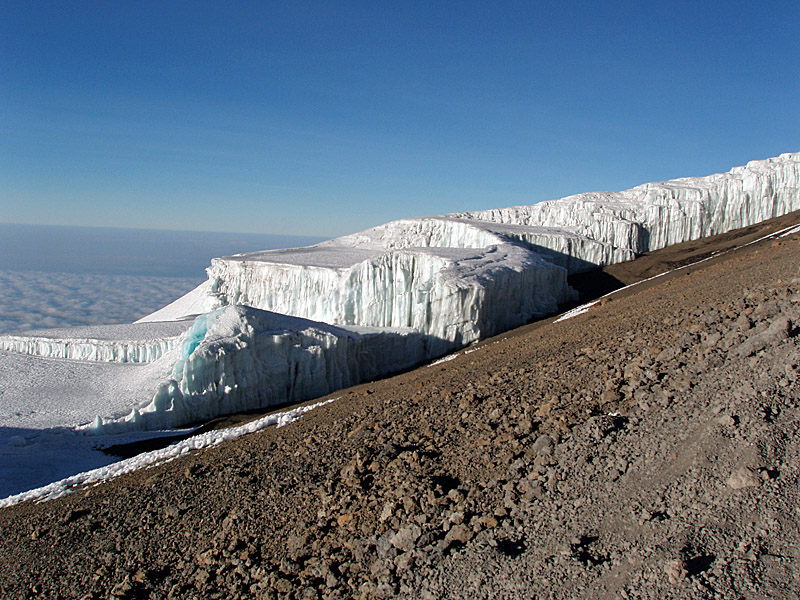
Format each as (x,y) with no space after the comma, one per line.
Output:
(38,457)
(290,325)
(655,215)
(444,359)
(790,231)
(578,310)
(237,358)
(191,304)
(433,275)
(79,481)
(232,359)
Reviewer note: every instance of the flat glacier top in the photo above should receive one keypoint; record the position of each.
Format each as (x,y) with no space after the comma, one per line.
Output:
(134,332)
(333,255)
(327,256)
(514,231)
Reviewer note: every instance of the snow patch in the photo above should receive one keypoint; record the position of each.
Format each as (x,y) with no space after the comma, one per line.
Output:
(444,359)
(212,438)
(578,310)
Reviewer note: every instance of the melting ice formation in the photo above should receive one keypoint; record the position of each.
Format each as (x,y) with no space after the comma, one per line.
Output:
(288,325)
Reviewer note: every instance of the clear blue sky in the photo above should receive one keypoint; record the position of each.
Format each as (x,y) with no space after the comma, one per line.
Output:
(322,118)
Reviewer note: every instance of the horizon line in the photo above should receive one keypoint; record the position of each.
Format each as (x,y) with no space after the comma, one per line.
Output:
(165,230)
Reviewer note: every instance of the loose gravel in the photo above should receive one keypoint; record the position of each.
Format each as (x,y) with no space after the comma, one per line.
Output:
(648,448)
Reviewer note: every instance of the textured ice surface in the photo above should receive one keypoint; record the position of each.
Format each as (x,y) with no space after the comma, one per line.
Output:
(452,281)
(135,343)
(235,358)
(238,358)
(286,325)
(655,215)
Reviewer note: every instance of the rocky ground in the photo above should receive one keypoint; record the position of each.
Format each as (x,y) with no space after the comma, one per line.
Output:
(649,448)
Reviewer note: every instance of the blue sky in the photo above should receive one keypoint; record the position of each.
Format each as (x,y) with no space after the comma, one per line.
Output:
(325,118)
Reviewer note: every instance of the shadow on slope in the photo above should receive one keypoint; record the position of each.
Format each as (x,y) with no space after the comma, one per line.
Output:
(599,282)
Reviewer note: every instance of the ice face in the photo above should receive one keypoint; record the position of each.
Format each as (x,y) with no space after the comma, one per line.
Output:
(238,358)
(443,295)
(428,274)
(136,343)
(287,325)
(655,215)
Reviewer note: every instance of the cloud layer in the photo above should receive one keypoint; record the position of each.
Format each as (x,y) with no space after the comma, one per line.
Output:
(39,300)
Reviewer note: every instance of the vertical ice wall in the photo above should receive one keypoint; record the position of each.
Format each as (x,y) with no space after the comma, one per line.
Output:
(239,358)
(429,274)
(453,296)
(123,351)
(132,343)
(656,215)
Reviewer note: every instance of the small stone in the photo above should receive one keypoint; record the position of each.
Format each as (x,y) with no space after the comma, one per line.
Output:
(742,478)
(456,518)
(403,561)
(609,396)
(282,585)
(455,496)
(543,445)
(489,522)
(387,512)
(344,520)
(405,538)
(310,593)
(459,533)
(675,571)
(123,588)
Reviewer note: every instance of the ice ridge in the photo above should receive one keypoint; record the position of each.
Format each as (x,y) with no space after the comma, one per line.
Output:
(135,343)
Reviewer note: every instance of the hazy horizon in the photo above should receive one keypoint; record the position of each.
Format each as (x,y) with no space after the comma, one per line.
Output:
(127,251)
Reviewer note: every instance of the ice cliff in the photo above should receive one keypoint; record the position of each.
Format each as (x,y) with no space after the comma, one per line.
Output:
(286,325)
(237,358)
(442,275)
(137,343)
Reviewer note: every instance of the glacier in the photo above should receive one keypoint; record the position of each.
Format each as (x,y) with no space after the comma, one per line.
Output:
(282,326)
(137,343)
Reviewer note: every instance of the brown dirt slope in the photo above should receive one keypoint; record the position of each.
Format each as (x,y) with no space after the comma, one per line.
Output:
(649,448)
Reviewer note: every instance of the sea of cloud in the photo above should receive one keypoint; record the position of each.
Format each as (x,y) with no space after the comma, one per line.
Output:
(53,276)
(41,300)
